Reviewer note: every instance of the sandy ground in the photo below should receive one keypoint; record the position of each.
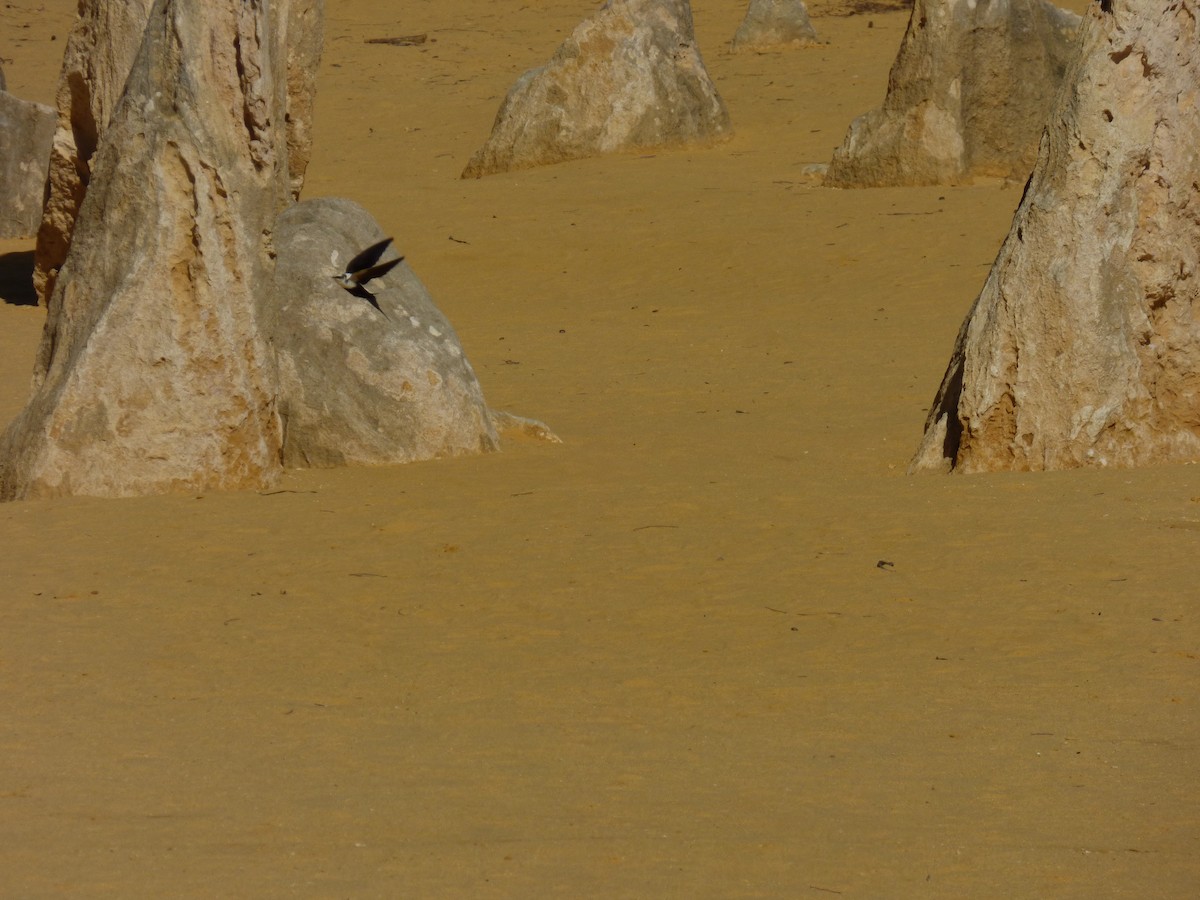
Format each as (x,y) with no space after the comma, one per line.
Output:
(716,644)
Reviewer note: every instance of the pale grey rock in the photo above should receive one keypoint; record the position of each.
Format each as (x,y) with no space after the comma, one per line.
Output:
(100,51)
(630,77)
(359,386)
(26,130)
(967,96)
(153,374)
(1083,348)
(771,24)
(509,425)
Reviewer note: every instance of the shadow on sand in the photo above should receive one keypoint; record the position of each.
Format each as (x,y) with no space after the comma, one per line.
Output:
(16,279)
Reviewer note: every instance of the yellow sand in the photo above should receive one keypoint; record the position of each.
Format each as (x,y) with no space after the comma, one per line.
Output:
(716,644)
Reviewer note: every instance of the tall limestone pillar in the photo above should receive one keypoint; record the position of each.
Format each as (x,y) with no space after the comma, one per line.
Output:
(153,374)
(1083,348)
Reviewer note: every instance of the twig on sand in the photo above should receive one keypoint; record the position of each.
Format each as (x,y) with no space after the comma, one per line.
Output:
(404,40)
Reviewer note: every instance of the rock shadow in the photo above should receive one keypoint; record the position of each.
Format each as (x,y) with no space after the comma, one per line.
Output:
(16,279)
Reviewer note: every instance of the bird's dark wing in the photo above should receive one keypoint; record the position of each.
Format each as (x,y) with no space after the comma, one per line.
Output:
(362,276)
(368,257)
(359,291)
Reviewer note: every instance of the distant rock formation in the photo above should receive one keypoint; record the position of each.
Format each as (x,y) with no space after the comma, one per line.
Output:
(99,55)
(771,24)
(629,77)
(26,130)
(968,95)
(153,374)
(1084,347)
(357,385)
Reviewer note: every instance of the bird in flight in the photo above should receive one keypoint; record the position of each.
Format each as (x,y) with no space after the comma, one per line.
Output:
(366,267)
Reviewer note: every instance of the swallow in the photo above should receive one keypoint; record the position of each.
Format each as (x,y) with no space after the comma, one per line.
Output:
(367,267)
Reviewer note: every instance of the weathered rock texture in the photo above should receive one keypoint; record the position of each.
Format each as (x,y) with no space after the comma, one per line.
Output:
(630,77)
(26,129)
(305,40)
(100,52)
(968,95)
(773,24)
(1084,347)
(360,386)
(152,374)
